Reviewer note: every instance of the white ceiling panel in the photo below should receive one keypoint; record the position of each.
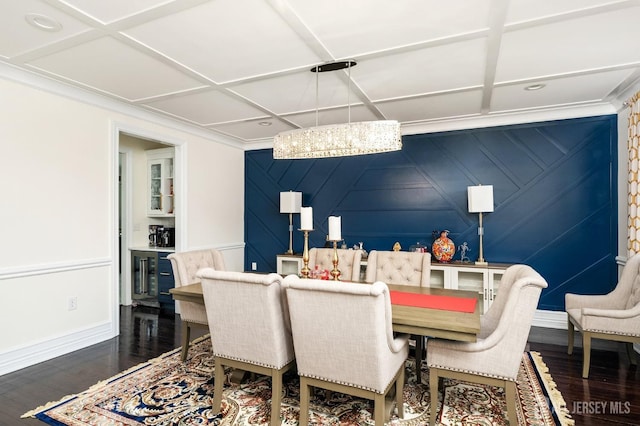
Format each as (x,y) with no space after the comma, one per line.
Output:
(433,107)
(207,108)
(297,92)
(592,42)
(585,88)
(117,69)
(350,28)
(332,116)
(423,71)
(252,130)
(17,36)
(224,66)
(111,10)
(220,40)
(525,10)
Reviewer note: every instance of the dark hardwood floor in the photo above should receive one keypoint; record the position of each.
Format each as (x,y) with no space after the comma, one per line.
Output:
(613,383)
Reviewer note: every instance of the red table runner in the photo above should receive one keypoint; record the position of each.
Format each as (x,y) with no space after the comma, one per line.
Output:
(432,301)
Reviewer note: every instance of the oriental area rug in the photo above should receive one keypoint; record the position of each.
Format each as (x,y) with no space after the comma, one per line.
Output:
(166,391)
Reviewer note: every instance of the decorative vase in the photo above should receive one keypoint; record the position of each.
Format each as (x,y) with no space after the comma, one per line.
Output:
(443,248)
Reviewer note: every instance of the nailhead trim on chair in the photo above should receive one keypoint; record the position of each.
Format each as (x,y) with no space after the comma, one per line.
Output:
(592,330)
(344,383)
(475,373)
(246,361)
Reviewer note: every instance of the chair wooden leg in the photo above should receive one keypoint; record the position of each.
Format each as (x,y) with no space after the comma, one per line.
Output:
(510,390)
(586,354)
(218,386)
(631,353)
(433,388)
(304,402)
(186,338)
(276,397)
(399,393)
(419,356)
(379,409)
(571,332)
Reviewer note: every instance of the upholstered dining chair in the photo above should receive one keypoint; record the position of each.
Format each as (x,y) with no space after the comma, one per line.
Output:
(403,268)
(348,261)
(494,359)
(185,266)
(612,316)
(250,329)
(344,342)
(399,267)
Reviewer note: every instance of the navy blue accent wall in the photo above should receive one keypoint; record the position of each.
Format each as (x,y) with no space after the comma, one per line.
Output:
(554,188)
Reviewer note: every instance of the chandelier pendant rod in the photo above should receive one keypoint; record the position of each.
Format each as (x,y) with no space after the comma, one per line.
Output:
(349,95)
(317,94)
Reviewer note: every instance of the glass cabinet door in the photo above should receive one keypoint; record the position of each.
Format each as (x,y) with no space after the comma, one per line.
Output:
(155,186)
(160,189)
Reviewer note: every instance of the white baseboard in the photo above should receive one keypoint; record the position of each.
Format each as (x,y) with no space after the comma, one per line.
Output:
(550,319)
(16,359)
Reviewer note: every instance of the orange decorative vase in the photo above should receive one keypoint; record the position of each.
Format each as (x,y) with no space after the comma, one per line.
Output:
(443,248)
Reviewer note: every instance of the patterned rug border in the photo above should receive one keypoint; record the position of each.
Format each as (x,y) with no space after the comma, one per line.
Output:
(51,404)
(560,410)
(548,388)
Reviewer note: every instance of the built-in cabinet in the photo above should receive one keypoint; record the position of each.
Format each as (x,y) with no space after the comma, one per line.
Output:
(152,277)
(160,195)
(483,279)
(165,283)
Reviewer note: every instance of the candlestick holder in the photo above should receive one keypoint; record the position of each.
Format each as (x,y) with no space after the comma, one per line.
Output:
(335,273)
(305,254)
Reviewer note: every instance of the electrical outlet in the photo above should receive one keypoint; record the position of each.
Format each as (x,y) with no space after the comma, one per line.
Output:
(254,266)
(73,303)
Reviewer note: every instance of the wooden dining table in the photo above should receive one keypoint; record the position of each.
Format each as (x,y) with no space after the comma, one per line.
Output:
(416,320)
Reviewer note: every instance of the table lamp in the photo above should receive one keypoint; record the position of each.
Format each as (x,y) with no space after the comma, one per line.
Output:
(290,202)
(480,199)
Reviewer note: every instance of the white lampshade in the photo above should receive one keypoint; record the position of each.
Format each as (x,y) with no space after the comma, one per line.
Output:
(480,198)
(290,202)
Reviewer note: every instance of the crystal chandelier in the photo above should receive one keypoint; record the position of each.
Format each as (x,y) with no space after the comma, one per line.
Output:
(338,140)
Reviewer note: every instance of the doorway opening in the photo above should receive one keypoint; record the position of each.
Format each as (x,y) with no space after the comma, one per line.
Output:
(134,219)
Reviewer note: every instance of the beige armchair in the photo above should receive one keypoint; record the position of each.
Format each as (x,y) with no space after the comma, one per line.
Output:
(612,316)
(403,268)
(494,359)
(348,262)
(250,329)
(344,342)
(185,266)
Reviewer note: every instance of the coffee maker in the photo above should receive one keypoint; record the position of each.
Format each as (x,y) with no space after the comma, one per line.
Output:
(166,237)
(153,235)
(161,236)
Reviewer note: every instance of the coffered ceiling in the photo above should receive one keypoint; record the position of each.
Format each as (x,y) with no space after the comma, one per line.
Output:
(240,68)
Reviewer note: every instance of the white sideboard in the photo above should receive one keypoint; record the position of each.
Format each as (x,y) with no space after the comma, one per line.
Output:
(484,279)
(287,264)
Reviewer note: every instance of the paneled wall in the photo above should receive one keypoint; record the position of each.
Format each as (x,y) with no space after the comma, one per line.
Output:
(554,190)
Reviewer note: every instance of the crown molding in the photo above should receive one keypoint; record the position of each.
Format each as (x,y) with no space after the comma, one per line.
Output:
(37,81)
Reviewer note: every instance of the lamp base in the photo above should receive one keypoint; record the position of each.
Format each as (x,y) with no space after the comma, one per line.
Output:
(289,252)
(482,262)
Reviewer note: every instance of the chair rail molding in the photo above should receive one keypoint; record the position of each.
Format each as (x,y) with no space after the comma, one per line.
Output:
(51,268)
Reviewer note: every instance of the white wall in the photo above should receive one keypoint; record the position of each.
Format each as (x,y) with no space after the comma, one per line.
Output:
(58,212)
